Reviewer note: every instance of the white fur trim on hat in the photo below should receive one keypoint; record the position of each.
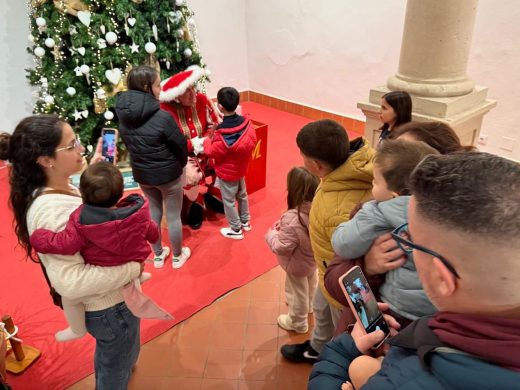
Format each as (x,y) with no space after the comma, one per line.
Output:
(172,92)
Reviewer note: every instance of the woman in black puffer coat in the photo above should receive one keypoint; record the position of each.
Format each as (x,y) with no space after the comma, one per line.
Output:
(158,154)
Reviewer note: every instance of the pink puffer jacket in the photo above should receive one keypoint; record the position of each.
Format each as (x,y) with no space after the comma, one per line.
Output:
(291,243)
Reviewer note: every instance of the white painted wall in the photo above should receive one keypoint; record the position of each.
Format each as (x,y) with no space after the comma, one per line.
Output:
(15,94)
(222,37)
(326,54)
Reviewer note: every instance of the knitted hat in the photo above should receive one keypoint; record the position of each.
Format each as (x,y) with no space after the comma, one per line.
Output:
(177,84)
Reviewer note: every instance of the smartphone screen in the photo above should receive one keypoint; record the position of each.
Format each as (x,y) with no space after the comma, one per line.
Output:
(363,301)
(109,144)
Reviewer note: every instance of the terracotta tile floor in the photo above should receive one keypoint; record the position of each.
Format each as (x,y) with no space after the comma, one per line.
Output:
(232,344)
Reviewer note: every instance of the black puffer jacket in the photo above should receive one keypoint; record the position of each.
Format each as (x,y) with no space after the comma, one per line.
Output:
(158,150)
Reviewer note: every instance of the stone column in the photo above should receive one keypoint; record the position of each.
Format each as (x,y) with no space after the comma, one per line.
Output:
(432,68)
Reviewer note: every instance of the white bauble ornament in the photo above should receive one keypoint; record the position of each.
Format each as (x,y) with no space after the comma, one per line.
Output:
(39,51)
(187,52)
(49,42)
(150,47)
(179,33)
(101,94)
(85,69)
(30,38)
(41,22)
(111,37)
(179,3)
(101,43)
(191,22)
(48,99)
(71,91)
(109,115)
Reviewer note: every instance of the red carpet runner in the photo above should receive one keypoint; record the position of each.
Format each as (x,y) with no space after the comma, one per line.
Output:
(216,267)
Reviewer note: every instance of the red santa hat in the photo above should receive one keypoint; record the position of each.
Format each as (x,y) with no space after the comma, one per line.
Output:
(177,84)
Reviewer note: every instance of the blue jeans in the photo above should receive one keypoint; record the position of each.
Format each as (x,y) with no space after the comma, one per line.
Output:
(116,331)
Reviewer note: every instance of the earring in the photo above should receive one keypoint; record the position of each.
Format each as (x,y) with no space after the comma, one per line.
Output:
(51,166)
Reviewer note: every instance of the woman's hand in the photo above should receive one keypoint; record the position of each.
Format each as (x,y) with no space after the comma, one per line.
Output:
(384,255)
(365,342)
(98,154)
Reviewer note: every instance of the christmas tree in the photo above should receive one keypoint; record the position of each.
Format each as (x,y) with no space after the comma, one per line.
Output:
(83,50)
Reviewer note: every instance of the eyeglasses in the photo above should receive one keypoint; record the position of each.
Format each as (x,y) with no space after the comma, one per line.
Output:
(402,237)
(76,144)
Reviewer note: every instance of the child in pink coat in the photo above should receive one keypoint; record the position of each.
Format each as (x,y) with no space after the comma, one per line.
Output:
(289,240)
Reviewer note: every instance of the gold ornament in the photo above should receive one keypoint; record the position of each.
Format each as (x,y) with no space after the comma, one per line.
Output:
(187,33)
(151,60)
(100,105)
(37,3)
(70,6)
(57,53)
(121,86)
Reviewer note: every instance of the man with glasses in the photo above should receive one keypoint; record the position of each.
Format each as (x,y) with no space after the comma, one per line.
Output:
(464,232)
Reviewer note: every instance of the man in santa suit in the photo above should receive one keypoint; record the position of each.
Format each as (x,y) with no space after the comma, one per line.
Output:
(197,118)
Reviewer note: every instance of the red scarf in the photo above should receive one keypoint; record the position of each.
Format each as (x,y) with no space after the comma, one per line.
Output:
(495,339)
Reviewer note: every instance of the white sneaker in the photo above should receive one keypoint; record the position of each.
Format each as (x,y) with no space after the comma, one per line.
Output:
(178,261)
(284,322)
(246,226)
(158,261)
(230,233)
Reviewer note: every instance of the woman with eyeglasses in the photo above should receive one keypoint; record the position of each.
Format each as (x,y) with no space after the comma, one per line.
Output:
(44,153)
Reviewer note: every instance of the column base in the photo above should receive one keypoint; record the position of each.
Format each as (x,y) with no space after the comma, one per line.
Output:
(463,113)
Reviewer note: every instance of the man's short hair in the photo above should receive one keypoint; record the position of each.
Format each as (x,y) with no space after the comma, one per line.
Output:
(397,159)
(101,185)
(324,140)
(228,97)
(475,193)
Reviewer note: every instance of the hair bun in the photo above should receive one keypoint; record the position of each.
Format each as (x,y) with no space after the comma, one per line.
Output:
(5,149)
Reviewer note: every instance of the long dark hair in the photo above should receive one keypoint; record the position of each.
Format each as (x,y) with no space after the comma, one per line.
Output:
(438,135)
(35,136)
(301,187)
(142,78)
(401,102)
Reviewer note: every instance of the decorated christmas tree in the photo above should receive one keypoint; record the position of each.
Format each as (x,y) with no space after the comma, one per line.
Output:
(83,50)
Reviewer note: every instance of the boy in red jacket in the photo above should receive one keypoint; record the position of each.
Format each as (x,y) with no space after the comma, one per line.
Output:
(106,230)
(231,147)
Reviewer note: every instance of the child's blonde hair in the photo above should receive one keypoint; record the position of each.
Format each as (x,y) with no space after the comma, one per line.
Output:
(301,187)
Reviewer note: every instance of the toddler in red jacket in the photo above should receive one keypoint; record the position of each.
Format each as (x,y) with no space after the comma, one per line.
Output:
(108,232)
(231,147)
(289,240)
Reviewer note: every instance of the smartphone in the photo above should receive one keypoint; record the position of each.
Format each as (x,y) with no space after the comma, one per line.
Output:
(109,137)
(363,302)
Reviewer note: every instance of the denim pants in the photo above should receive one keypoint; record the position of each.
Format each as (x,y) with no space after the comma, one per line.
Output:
(171,194)
(117,334)
(231,192)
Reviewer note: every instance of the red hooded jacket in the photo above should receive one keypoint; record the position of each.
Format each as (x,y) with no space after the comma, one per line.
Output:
(104,236)
(231,148)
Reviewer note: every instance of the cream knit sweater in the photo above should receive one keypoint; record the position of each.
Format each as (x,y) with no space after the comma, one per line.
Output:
(97,287)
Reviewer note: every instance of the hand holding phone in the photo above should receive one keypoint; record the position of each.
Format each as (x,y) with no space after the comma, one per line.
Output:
(364,305)
(109,149)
